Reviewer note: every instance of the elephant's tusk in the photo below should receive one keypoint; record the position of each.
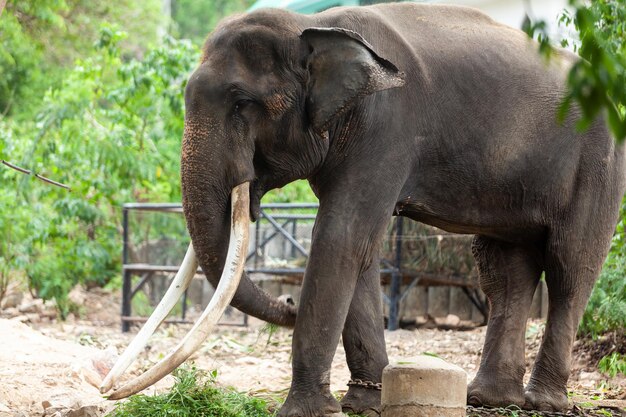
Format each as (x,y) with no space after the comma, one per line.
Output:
(229,281)
(177,288)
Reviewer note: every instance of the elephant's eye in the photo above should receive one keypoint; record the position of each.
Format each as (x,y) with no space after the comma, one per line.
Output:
(241,104)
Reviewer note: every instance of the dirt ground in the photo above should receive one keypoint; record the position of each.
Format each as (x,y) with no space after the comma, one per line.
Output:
(52,368)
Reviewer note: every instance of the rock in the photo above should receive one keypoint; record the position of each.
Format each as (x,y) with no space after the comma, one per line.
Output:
(77,296)
(453,320)
(85,411)
(104,360)
(12,300)
(33,317)
(72,408)
(46,404)
(35,306)
(424,386)
(94,368)
(11,312)
(589,379)
(426,321)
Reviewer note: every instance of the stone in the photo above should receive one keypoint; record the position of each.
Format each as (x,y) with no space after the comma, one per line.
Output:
(77,296)
(11,312)
(12,300)
(33,317)
(424,386)
(85,411)
(453,320)
(36,306)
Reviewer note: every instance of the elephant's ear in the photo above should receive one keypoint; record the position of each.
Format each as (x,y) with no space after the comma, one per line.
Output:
(343,67)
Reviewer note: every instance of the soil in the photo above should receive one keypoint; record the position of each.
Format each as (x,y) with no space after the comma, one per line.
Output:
(52,368)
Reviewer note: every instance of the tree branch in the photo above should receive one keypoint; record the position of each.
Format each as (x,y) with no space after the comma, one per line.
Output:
(39,177)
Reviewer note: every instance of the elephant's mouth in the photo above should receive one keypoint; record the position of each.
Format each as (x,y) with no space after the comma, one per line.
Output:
(256,193)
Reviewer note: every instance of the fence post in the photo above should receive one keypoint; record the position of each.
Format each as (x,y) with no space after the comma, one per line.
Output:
(396,280)
(127,276)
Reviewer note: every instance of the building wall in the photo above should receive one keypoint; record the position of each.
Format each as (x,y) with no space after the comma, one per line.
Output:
(512,12)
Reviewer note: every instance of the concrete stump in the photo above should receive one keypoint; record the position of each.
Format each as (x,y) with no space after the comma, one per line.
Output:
(424,386)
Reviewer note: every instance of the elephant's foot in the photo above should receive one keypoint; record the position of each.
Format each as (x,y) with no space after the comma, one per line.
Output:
(311,404)
(361,401)
(494,391)
(542,398)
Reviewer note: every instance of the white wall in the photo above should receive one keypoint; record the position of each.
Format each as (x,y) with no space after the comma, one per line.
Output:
(512,12)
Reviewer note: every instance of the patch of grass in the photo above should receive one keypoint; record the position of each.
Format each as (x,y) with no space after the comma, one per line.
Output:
(270,330)
(613,364)
(194,395)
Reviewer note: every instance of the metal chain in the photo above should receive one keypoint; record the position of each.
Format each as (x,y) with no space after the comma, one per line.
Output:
(517,412)
(378,386)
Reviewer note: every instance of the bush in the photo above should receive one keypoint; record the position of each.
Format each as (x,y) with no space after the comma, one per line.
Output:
(606,310)
(112,132)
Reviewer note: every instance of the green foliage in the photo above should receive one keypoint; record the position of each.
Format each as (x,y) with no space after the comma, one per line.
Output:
(100,109)
(41,39)
(297,191)
(613,364)
(111,130)
(596,83)
(193,394)
(606,310)
(195,19)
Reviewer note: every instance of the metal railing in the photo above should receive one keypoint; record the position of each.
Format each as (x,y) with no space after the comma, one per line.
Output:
(281,221)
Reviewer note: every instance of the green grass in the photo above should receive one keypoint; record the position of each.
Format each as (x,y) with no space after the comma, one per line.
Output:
(613,364)
(194,394)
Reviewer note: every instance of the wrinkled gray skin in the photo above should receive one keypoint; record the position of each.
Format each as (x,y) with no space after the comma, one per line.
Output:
(435,113)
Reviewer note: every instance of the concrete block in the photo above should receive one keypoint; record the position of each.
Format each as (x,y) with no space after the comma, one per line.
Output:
(424,386)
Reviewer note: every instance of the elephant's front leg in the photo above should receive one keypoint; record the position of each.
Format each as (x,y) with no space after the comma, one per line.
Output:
(364,342)
(340,252)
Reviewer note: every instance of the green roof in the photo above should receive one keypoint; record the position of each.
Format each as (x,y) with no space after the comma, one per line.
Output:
(303,6)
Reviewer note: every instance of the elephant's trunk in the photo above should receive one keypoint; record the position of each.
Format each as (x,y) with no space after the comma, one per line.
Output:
(208,176)
(217,210)
(224,292)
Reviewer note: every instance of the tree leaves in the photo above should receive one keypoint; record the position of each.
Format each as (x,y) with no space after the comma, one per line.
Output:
(597,82)
(106,130)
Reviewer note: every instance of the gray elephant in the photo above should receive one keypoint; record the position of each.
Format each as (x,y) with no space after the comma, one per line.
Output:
(436,113)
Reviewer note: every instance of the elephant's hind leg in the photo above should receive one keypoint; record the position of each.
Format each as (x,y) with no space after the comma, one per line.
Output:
(572,265)
(364,342)
(508,276)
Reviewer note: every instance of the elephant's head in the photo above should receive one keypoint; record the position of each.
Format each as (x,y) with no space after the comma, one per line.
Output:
(259,109)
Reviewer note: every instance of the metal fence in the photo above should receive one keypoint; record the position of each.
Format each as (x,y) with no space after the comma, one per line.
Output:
(278,253)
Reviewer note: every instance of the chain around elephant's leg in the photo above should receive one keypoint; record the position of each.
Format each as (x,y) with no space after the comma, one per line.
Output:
(508,276)
(364,343)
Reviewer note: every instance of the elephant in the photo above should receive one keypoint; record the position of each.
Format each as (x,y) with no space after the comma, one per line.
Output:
(432,112)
